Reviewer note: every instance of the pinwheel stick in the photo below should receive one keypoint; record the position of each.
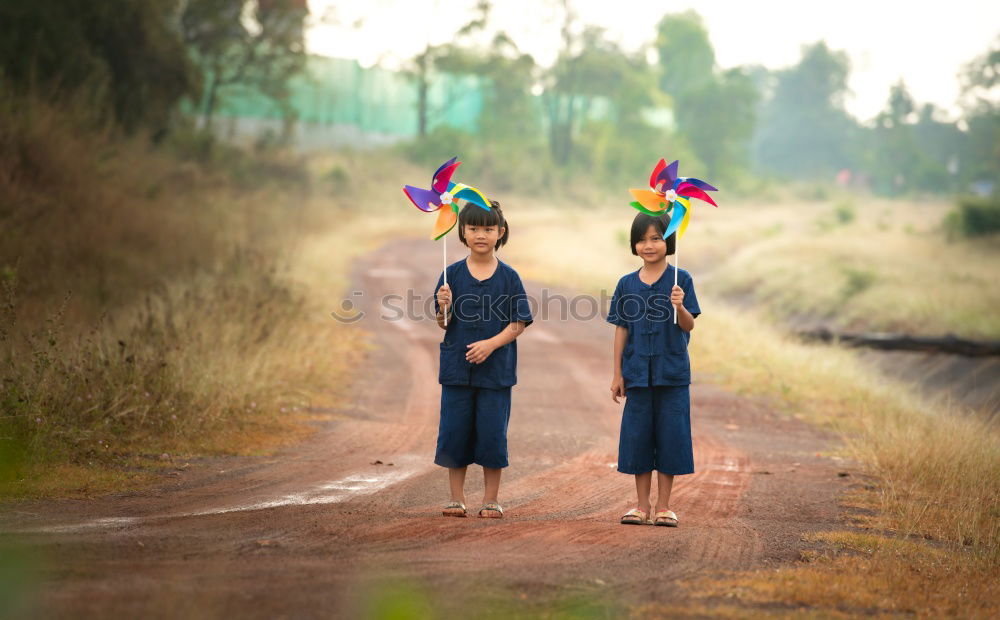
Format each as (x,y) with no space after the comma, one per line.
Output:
(444,272)
(678,308)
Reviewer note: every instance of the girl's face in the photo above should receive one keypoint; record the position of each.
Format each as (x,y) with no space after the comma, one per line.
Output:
(651,246)
(482,239)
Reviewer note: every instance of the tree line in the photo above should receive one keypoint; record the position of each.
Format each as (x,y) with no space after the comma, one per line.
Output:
(134,62)
(599,111)
(607,113)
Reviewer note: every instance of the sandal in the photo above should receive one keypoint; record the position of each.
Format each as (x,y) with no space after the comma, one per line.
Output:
(491,507)
(666,518)
(635,517)
(455,509)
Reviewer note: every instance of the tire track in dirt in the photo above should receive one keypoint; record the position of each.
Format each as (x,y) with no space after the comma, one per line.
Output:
(562,492)
(577,502)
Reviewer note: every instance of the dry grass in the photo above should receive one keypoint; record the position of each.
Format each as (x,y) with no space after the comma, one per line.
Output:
(802,261)
(220,363)
(194,325)
(864,574)
(936,472)
(865,265)
(928,461)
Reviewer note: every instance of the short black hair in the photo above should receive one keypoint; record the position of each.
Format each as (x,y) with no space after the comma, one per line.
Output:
(474,215)
(641,224)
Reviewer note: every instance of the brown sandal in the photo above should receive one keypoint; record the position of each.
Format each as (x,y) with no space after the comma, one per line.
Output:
(491,507)
(666,518)
(455,509)
(635,517)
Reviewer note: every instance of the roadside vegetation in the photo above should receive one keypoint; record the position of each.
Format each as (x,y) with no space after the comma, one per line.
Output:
(923,532)
(161,304)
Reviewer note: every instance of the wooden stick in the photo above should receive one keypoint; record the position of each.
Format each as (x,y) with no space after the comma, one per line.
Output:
(444,271)
(675,275)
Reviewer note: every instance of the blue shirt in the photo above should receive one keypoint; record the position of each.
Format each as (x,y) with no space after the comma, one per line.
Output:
(656,349)
(481,309)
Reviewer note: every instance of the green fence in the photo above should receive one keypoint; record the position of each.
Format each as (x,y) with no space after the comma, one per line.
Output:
(339,92)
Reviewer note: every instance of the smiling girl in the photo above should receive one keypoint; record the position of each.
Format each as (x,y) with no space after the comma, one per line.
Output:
(652,370)
(487,310)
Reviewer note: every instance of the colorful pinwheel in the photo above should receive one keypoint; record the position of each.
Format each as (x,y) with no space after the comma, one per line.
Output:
(442,197)
(669,193)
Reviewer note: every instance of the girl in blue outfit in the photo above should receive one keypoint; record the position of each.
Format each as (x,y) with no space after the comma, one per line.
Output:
(487,310)
(652,370)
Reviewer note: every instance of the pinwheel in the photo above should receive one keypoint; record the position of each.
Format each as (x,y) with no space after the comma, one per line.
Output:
(443,197)
(669,193)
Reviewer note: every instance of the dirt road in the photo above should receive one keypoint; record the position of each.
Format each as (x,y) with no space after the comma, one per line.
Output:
(317,529)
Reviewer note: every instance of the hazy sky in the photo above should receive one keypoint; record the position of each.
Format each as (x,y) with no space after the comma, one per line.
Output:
(924,43)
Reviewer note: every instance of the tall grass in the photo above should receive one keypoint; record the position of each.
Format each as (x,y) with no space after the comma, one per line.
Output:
(938,470)
(226,347)
(156,299)
(934,471)
(891,268)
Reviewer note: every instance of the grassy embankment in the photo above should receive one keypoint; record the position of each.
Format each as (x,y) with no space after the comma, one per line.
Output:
(933,544)
(171,300)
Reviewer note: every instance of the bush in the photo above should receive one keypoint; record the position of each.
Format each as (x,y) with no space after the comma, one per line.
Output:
(844,212)
(217,352)
(439,145)
(975,216)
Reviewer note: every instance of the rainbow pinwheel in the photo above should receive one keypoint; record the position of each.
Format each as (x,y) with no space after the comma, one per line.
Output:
(669,193)
(443,197)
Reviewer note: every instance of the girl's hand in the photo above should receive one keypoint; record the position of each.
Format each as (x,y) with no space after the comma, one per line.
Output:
(444,298)
(617,388)
(677,296)
(479,351)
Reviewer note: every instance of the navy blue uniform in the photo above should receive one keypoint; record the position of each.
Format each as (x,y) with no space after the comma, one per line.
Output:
(656,422)
(475,398)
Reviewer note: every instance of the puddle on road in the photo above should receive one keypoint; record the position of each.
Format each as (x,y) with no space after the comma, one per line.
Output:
(97,524)
(329,493)
(544,335)
(727,464)
(335,491)
(389,272)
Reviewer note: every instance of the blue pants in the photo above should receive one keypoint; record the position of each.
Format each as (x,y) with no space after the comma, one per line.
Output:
(656,431)
(473,426)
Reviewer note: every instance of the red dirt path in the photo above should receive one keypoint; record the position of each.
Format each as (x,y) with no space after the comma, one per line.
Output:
(310,531)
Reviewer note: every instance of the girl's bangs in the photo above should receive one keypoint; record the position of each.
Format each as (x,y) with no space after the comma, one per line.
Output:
(474,215)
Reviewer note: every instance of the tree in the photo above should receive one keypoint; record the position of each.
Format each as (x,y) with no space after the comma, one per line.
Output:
(981,94)
(715,111)
(253,44)
(804,130)
(687,58)
(618,138)
(718,120)
(591,72)
(509,128)
(123,56)
(449,56)
(913,149)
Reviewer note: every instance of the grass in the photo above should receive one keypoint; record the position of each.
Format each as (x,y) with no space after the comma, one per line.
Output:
(887,267)
(935,473)
(175,379)
(166,301)
(927,461)
(865,574)
(869,265)
(199,324)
